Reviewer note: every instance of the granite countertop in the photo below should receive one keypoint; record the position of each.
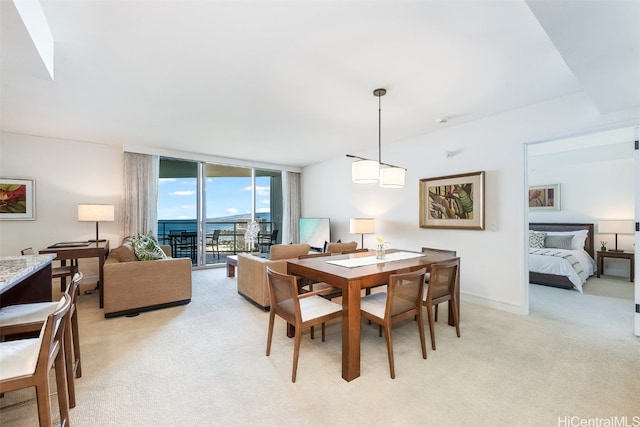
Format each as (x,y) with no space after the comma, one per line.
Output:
(15,268)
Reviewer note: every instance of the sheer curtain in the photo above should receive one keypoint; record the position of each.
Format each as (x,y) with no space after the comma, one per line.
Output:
(140,193)
(291,201)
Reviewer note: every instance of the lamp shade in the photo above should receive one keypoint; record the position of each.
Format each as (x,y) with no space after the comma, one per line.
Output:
(616,226)
(392,177)
(365,171)
(362,226)
(95,213)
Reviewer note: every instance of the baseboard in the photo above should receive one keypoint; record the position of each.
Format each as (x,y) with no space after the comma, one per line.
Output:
(491,303)
(148,308)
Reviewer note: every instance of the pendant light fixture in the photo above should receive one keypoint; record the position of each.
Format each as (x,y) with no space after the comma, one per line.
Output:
(366,171)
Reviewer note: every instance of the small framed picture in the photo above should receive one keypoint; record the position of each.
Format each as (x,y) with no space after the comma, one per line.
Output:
(17,199)
(454,201)
(544,197)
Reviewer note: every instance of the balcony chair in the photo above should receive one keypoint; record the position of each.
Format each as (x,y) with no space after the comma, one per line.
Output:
(61,272)
(25,318)
(267,241)
(443,283)
(402,301)
(212,243)
(300,310)
(27,363)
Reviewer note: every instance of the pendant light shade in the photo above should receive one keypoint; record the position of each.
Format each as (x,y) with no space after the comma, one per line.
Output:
(365,171)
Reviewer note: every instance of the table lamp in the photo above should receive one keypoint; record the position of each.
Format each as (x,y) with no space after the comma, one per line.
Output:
(616,226)
(362,226)
(97,213)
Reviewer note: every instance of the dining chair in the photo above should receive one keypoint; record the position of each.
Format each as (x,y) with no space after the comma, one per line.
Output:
(25,318)
(442,286)
(212,243)
(401,301)
(436,251)
(300,310)
(340,247)
(27,363)
(175,240)
(60,272)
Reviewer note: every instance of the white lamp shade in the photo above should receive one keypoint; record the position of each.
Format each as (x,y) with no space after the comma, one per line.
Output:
(392,177)
(365,171)
(95,213)
(616,226)
(362,226)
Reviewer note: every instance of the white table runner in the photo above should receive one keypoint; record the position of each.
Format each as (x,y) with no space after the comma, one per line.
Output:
(371,260)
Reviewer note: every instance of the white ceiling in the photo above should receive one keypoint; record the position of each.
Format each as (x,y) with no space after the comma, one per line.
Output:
(291,82)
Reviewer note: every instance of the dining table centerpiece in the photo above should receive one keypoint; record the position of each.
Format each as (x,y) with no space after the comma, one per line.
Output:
(380,245)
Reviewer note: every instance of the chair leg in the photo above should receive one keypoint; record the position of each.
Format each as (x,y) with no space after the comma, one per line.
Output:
(431,327)
(68,361)
(323,331)
(421,332)
(61,382)
(44,403)
(77,364)
(392,370)
(296,353)
(456,320)
(272,316)
(436,312)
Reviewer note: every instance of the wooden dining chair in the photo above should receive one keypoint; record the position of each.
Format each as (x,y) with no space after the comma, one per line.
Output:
(27,362)
(442,287)
(340,247)
(402,301)
(60,272)
(300,310)
(327,291)
(435,251)
(25,318)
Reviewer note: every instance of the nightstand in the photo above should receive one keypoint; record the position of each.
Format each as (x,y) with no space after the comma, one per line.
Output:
(623,255)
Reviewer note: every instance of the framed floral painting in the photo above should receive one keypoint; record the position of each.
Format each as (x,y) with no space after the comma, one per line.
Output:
(17,199)
(454,201)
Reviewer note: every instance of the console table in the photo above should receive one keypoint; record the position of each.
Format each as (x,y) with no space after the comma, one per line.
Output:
(601,255)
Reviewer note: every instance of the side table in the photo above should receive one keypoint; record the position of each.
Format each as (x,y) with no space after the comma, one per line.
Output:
(601,255)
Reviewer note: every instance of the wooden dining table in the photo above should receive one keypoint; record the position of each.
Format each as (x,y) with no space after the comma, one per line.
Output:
(352,280)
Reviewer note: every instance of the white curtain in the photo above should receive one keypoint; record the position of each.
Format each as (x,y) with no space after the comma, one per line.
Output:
(141,173)
(292,206)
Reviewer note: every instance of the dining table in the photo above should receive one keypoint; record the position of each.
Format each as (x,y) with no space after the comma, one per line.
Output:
(352,273)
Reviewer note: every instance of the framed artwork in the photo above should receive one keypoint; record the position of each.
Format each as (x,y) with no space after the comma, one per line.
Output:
(544,198)
(17,198)
(454,201)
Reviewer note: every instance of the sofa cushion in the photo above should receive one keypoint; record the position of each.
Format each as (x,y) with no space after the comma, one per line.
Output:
(288,251)
(124,252)
(146,248)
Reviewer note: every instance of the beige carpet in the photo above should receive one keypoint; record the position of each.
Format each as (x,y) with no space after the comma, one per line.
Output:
(204,364)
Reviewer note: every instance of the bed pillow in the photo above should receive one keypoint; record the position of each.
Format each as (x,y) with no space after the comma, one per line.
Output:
(536,239)
(578,237)
(558,242)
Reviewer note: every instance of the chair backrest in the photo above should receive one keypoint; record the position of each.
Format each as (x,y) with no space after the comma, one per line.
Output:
(438,251)
(443,280)
(288,251)
(283,290)
(72,287)
(51,335)
(27,251)
(404,292)
(274,236)
(316,255)
(339,248)
(355,251)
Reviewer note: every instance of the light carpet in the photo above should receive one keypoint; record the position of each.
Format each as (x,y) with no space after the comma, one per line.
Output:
(204,364)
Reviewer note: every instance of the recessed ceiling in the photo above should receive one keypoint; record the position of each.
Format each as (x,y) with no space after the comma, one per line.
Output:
(291,82)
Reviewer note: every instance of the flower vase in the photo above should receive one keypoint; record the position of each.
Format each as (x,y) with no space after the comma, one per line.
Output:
(380,251)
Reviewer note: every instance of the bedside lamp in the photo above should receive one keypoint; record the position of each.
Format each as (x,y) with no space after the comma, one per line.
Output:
(362,226)
(96,213)
(615,226)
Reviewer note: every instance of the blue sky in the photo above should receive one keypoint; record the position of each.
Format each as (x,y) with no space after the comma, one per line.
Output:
(177,197)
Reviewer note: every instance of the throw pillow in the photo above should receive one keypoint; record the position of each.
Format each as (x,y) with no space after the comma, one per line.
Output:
(536,239)
(146,248)
(558,242)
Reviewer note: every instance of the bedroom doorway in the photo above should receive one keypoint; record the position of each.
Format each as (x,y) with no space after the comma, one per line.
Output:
(595,176)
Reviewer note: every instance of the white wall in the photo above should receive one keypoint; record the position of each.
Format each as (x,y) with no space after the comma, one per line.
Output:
(595,183)
(494,269)
(66,173)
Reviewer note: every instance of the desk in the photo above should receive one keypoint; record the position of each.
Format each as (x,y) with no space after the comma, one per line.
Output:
(25,279)
(351,281)
(98,250)
(622,255)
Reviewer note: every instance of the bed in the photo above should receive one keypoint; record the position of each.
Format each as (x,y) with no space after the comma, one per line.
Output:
(558,265)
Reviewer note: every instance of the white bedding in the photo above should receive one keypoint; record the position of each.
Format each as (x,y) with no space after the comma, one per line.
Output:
(556,265)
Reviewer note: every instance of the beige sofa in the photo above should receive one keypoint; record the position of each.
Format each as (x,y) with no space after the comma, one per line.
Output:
(252,272)
(132,286)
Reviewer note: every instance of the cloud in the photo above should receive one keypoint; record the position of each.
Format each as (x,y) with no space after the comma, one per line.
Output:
(182,193)
(260,190)
(166,180)
(232,210)
(263,210)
